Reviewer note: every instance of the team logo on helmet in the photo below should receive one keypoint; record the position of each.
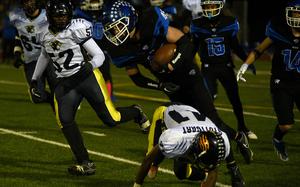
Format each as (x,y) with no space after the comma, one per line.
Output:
(203,143)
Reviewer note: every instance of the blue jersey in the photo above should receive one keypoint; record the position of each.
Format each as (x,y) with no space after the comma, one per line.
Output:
(216,38)
(97,25)
(286,59)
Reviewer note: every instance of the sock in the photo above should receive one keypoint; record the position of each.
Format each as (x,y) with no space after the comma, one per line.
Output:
(278,134)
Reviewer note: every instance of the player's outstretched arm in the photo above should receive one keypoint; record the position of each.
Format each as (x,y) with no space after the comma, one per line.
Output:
(144,168)
(255,54)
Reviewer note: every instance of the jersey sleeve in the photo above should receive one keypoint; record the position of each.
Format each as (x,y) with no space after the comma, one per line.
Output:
(81,30)
(172,144)
(154,23)
(273,32)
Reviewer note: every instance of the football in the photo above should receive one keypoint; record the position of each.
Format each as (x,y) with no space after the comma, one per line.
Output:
(163,55)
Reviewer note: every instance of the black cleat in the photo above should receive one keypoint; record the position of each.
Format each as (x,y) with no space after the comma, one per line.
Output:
(237,179)
(142,120)
(86,168)
(280,149)
(243,146)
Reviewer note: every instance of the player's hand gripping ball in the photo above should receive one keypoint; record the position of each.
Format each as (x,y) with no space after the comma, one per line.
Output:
(163,56)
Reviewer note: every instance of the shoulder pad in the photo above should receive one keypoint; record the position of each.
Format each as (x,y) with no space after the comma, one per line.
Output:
(81,29)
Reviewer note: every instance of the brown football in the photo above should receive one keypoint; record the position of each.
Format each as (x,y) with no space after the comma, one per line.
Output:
(163,55)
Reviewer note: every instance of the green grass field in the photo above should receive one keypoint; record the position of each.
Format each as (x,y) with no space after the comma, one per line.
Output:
(35,153)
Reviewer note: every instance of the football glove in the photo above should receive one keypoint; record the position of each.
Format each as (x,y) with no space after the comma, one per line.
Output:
(18,60)
(35,93)
(169,87)
(241,72)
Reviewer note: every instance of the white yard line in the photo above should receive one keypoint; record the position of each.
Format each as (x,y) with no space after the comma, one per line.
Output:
(107,156)
(94,133)
(22,132)
(134,96)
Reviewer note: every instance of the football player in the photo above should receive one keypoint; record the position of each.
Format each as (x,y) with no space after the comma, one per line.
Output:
(134,40)
(90,10)
(29,21)
(195,143)
(62,45)
(216,36)
(283,33)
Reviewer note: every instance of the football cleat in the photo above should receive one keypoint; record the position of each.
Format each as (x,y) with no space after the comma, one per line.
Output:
(237,179)
(280,149)
(244,148)
(152,172)
(86,168)
(142,120)
(251,135)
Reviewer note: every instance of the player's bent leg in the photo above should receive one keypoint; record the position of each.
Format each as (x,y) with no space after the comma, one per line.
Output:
(95,91)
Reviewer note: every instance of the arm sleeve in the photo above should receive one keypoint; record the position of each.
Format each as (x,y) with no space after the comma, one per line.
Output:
(94,50)
(144,82)
(41,65)
(184,52)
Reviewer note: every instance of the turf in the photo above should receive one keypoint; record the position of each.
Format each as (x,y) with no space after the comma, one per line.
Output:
(26,160)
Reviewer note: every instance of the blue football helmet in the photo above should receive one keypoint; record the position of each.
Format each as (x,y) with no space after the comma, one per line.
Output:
(212,8)
(292,12)
(119,19)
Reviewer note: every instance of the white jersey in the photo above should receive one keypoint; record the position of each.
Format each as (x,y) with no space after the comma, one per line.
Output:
(64,48)
(194,6)
(28,30)
(184,123)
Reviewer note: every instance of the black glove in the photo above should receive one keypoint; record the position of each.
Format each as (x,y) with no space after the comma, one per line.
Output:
(18,60)
(252,68)
(35,93)
(86,68)
(169,87)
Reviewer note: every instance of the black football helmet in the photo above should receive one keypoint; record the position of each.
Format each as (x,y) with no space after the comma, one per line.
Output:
(29,6)
(59,14)
(207,150)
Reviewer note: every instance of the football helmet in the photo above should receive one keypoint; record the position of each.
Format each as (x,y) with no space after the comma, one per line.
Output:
(212,8)
(119,19)
(157,2)
(207,150)
(59,14)
(91,5)
(29,6)
(292,12)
